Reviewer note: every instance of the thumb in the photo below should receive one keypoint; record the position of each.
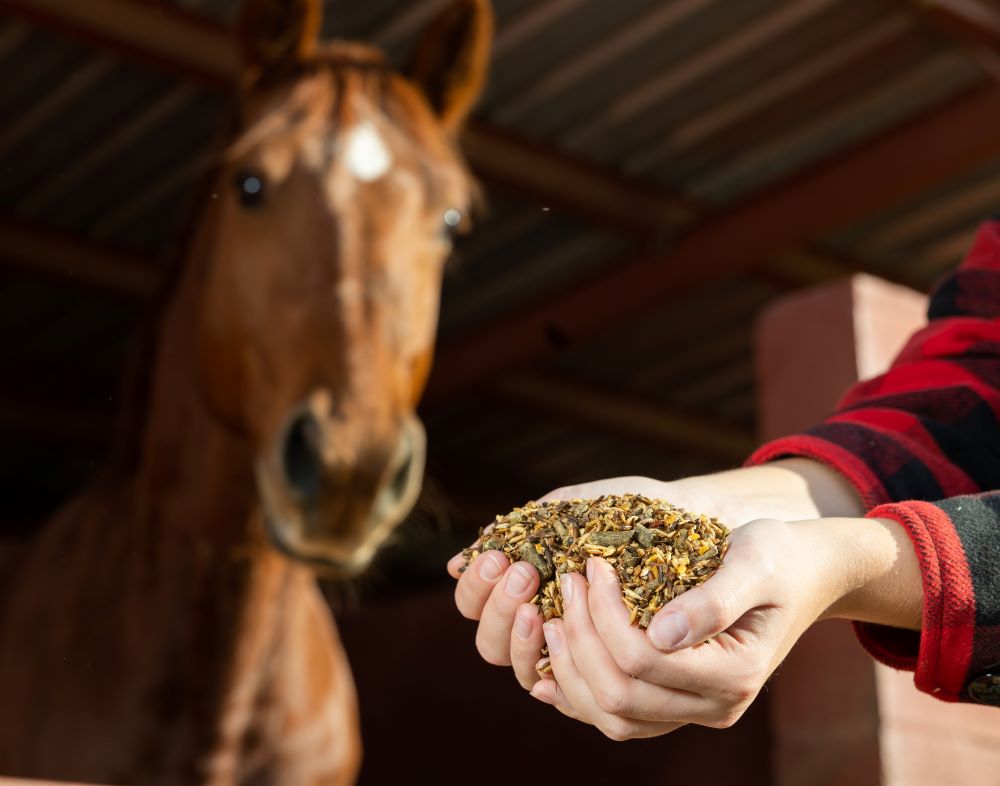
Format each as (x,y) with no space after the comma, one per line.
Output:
(710,608)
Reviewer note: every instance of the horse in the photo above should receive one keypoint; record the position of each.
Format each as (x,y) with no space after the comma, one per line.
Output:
(166,626)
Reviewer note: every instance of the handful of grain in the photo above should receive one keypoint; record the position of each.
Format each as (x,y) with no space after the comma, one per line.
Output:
(657,549)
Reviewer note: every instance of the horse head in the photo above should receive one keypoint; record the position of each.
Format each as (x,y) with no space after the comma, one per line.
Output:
(333,217)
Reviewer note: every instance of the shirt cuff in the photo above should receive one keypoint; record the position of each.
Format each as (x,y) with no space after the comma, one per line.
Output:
(939,654)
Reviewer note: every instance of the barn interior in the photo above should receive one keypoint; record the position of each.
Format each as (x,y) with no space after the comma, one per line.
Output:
(655,175)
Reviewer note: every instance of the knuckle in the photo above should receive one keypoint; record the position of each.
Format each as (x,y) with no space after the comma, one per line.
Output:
(617,731)
(727,720)
(757,550)
(611,700)
(742,692)
(632,661)
(714,611)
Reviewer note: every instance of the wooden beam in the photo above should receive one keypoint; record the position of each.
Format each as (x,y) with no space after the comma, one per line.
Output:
(626,414)
(168,103)
(973,24)
(745,39)
(538,16)
(406,22)
(152,30)
(192,46)
(967,19)
(65,257)
(660,18)
(556,179)
(773,92)
(15,130)
(898,164)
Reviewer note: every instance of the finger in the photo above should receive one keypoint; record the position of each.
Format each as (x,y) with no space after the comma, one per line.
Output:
(614,691)
(710,608)
(476,584)
(575,689)
(711,669)
(549,692)
(519,585)
(526,644)
(456,566)
(564,493)
(630,646)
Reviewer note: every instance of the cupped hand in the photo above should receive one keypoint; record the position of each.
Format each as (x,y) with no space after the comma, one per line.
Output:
(708,652)
(497,594)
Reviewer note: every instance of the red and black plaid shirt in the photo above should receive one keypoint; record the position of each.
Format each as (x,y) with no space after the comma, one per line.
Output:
(921,444)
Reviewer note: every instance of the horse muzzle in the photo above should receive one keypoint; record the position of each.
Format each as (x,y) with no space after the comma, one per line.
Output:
(333,508)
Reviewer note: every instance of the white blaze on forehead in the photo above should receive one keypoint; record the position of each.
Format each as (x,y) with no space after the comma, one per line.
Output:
(366,153)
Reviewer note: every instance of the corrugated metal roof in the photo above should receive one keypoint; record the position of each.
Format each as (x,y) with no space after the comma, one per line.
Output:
(708,100)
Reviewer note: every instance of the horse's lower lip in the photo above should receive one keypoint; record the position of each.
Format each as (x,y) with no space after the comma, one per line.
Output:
(327,565)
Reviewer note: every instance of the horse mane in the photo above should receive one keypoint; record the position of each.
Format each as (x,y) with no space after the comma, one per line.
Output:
(355,67)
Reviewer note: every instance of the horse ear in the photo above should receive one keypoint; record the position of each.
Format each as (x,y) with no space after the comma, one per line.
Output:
(451,59)
(276,33)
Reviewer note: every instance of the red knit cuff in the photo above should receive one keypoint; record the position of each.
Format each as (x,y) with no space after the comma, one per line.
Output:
(940,653)
(857,473)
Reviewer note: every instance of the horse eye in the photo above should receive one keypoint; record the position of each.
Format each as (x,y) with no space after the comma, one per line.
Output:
(452,223)
(251,188)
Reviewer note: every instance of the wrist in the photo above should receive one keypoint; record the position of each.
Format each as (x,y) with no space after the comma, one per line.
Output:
(876,574)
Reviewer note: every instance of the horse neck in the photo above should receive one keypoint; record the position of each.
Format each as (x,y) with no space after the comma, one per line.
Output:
(194,482)
(214,588)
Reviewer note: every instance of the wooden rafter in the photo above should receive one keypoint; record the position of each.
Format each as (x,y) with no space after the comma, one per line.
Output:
(971,20)
(660,18)
(538,16)
(946,141)
(406,22)
(36,199)
(561,180)
(188,45)
(154,31)
(672,81)
(973,24)
(782,219)
(14,130)
(625,414)
(68,258)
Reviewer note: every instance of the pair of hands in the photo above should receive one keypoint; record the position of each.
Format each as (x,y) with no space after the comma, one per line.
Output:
(707,653)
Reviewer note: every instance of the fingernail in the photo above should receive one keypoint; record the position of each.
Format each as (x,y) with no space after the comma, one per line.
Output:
(667,631)
(536,693)
(518,578)
(566,585)
(489,567)
(522,627)
(552,638)
(590,570)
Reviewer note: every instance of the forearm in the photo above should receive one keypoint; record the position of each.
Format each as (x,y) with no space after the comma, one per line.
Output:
(792,489)
(880,579)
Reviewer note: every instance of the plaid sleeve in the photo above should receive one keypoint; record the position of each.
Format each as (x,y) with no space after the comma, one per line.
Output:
(929,429)
(956,655)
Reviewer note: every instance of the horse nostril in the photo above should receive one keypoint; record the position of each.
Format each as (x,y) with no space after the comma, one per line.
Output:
(401,478)
(403,483)
(301,463)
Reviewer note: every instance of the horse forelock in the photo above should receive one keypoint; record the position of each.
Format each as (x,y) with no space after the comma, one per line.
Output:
(343,86)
